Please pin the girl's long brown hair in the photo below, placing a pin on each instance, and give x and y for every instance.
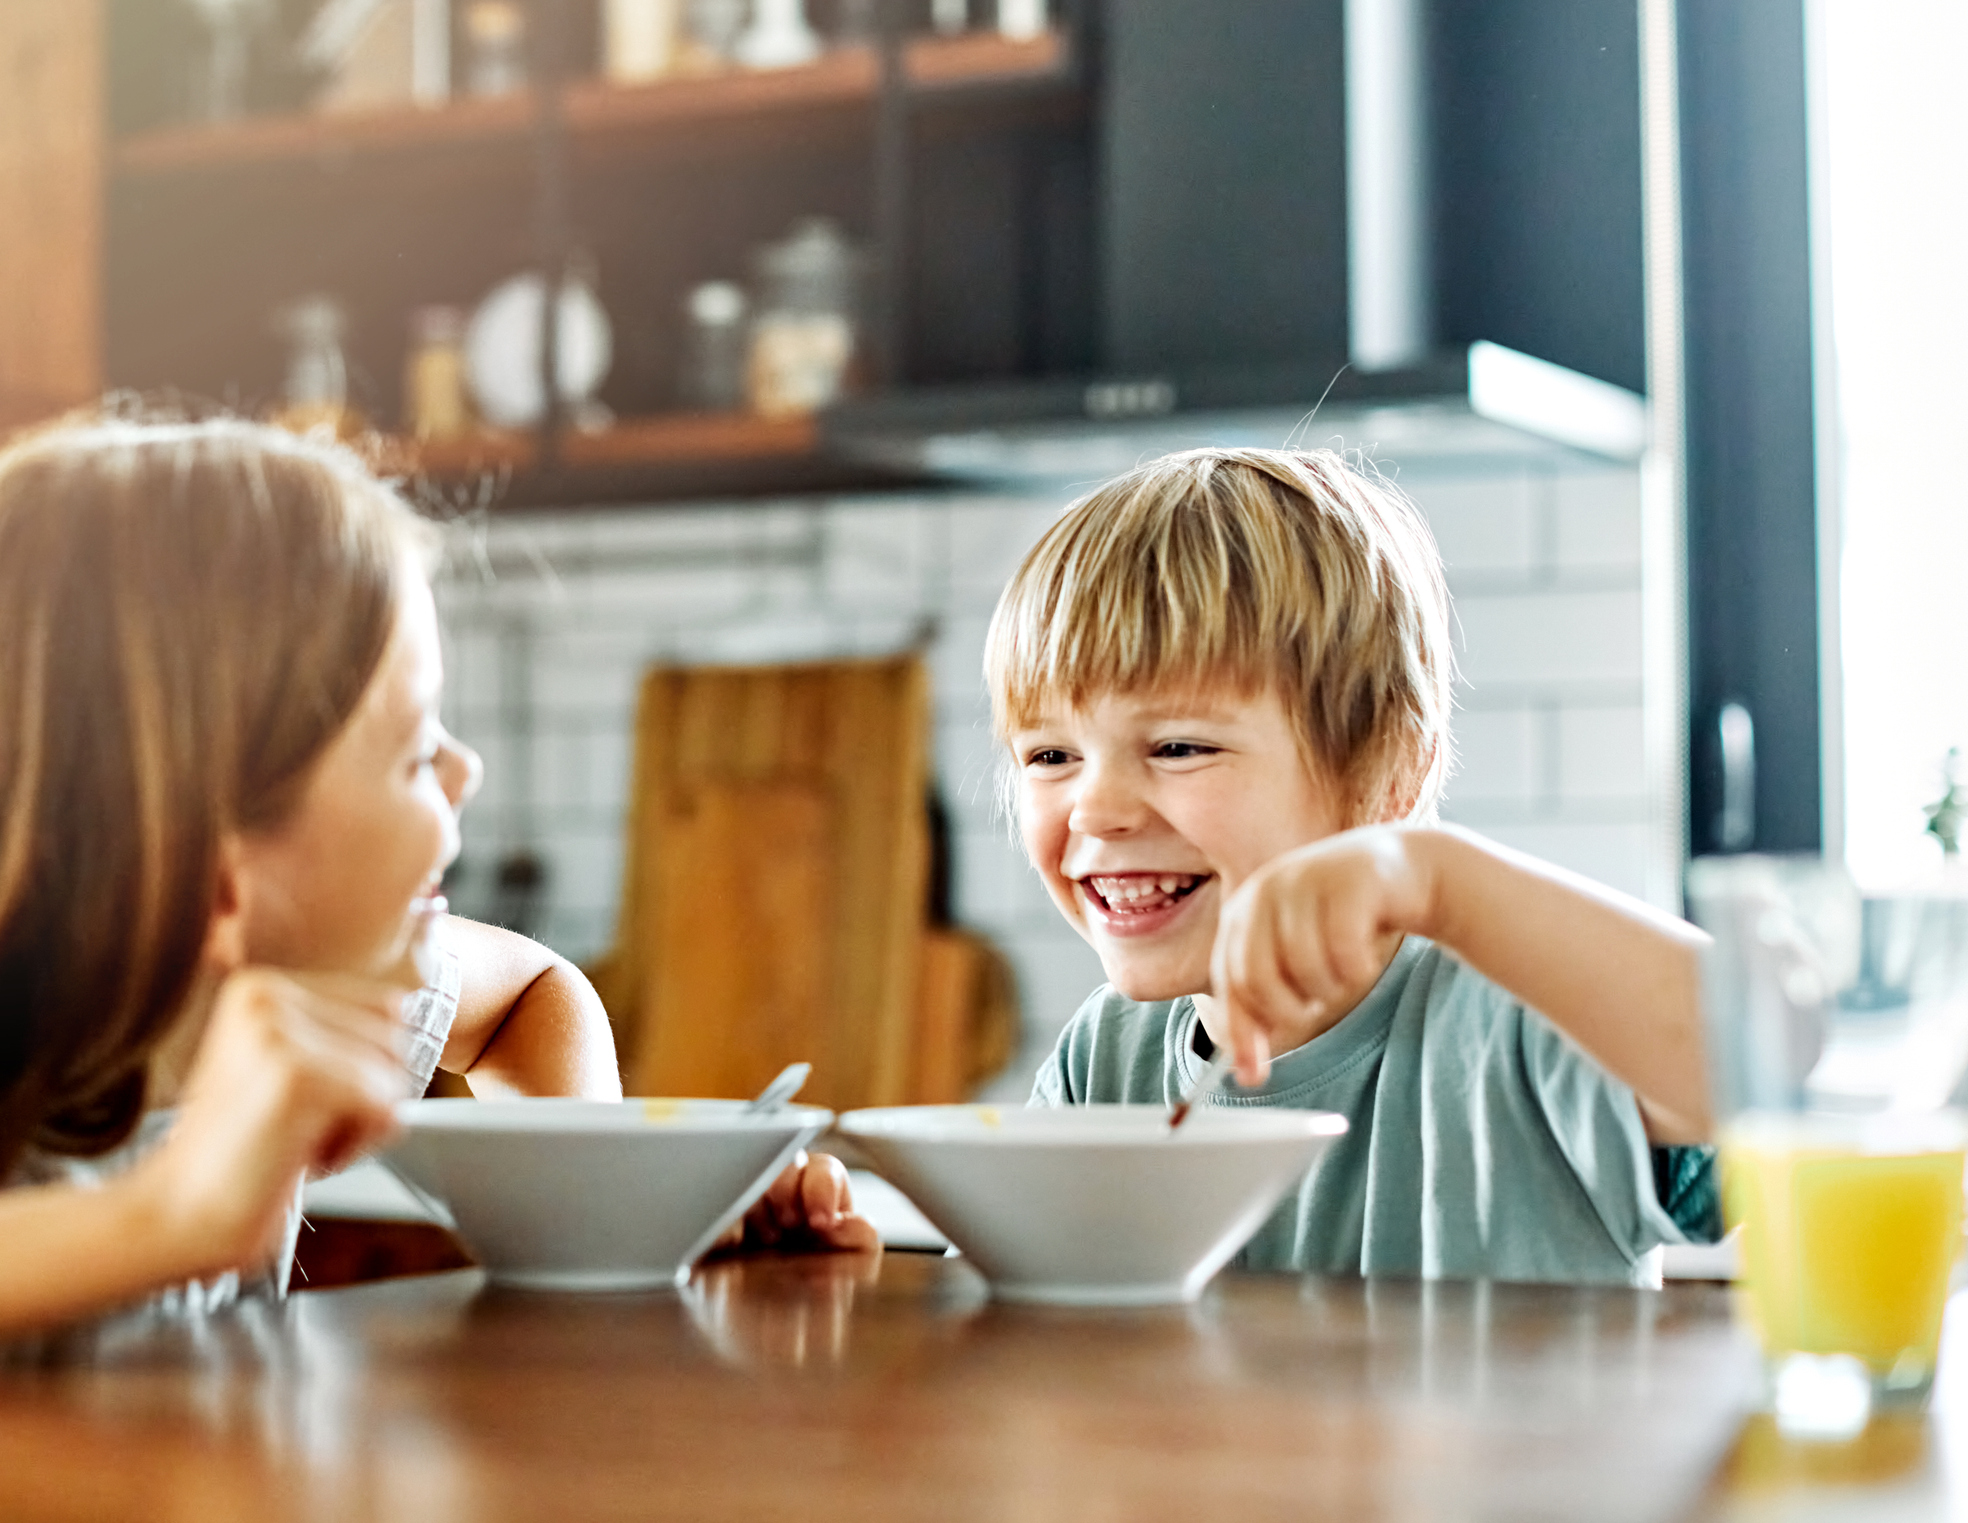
(189, 613)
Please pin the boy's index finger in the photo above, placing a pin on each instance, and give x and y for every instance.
(1239, 1030)
(1251, 1047)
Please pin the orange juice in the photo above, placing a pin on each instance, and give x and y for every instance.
(1850, 1230)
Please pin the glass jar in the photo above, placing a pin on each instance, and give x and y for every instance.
(1022, 20)
(804, 338)
(640, 38)
(436, 399)
(314, 393)
(495, 47)
(713, 376)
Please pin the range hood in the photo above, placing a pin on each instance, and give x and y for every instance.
(1266, 271)
(1482, 403)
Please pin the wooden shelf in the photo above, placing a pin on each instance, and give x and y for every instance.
(985, 58)
(325, 138)
(845, 77)
(690, 438)
(672, 441)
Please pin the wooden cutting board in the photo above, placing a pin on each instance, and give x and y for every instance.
(773, 904)
(743, 915)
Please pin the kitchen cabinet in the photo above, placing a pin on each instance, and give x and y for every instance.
(158, 257)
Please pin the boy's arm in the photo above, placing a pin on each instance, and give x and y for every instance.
(528, 1022)
(1619, 977)
(1302, 941)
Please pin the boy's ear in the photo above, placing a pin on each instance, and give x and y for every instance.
(1404, 788)
(225, 936)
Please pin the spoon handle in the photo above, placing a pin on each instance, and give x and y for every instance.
(781, 1089)
(1207, 1084)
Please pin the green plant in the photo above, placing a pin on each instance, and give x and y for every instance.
(1946, 815)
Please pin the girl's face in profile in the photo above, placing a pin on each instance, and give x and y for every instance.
(343, 884)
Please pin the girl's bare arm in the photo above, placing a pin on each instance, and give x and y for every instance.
(529, 1022)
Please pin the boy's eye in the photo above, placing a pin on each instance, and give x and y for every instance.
(1183, 750)
(1047, 756)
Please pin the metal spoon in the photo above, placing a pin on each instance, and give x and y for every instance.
(775, 1095)
(1207, 1083)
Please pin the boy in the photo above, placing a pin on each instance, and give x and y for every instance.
(1224, 681)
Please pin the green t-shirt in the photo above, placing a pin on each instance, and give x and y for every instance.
(1482, 1142)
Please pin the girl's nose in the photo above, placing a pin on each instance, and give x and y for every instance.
(459, 770)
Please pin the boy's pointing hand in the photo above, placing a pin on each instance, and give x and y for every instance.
(1304, 938)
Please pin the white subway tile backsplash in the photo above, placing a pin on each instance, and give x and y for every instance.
(560, 768)
(967, 771)
(879, 555)
(1613, 854)
(1056, 972)
(574, 679)
(956, 665)
(1597, 519)
(987, 541)
(1601, 753)
(1499, 756)
(471, 665)
(1481, 523)
(610, 758)
(586, 871)
(1537, 637)
(991, 885)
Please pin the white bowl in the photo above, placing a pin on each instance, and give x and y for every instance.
(1094, 1204)
(595, 1195)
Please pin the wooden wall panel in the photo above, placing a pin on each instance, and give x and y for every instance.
(52, 130)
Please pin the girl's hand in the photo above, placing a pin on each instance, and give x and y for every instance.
(295, 1073)
(808, 1206)
(1306, 936)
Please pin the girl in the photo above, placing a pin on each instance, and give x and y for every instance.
(226, 803)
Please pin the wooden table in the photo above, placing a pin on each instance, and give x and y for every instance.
(866, 1388)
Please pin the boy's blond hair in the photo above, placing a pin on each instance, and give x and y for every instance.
(1255, 569)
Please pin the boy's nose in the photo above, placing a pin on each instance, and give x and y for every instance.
(1106, 803)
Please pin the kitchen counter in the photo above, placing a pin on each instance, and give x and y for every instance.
(859, 1387)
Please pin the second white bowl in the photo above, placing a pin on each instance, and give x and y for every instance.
(1094, 1204)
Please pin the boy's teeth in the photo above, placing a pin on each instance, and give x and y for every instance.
(1142, 891)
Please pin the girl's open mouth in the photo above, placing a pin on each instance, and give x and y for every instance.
(1132, 904)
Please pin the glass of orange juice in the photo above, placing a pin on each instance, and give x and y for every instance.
(1850, 1229)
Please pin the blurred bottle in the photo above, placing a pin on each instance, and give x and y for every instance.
(495, 47)
(436, 398)
(779, 37)
(1022, 20)
(713, 376)
(712, 35)
(220, 87)
(314, 394)
(379, 53)
(855, 22)
(803, 339)
(639, 39)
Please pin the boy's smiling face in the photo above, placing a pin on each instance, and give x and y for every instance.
(1143, 812)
